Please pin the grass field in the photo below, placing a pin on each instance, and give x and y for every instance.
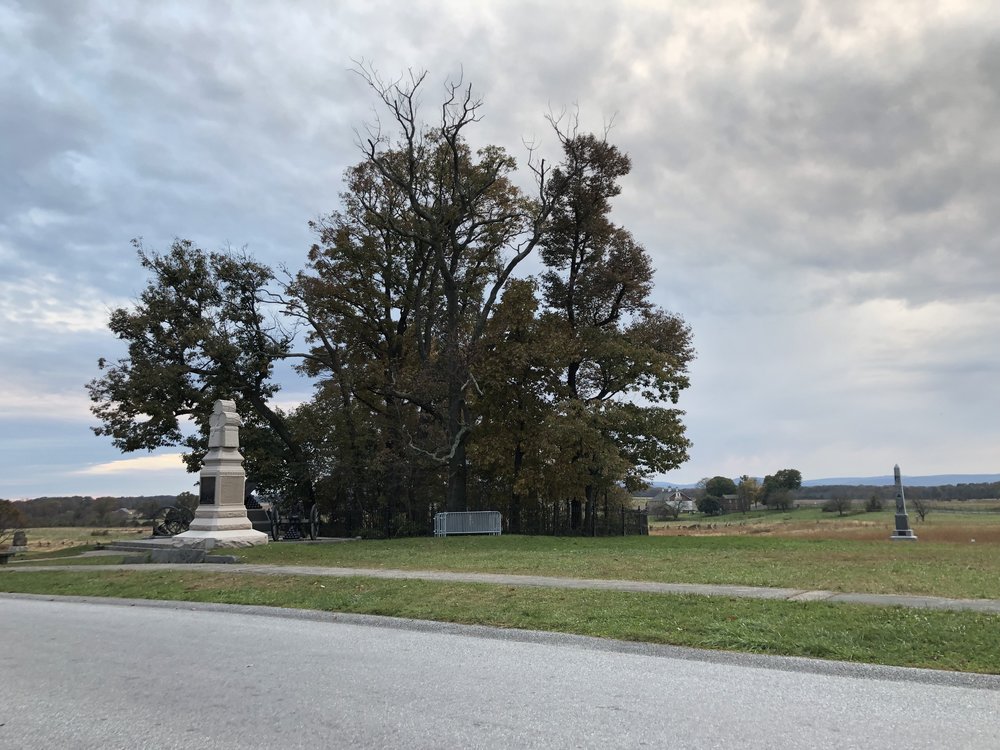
(942, 569)
(800, 549)
(951, 523)
(55, 538)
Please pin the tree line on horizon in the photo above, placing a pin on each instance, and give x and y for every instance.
(77, 510)
(82, 510)
(443, 377)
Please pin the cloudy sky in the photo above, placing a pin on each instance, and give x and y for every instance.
(818, 184)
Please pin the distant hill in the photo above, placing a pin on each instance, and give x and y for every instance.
(933, 480)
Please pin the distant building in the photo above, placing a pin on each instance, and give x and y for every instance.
(123, 516)
(675, 500)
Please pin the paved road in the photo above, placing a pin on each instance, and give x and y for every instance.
(84, 674)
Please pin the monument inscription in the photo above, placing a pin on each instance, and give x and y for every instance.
(206, 493)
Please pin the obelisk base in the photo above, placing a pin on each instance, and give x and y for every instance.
(220, 527)
(212, 539)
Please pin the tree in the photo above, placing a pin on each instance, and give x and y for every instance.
(839, 504)
(747, 492)
(187, 500)
(463, 211)
(873, 504)
(777, 489)
(710, 506)
(617, 344)
(11, 519)
(513, 404)
(720, 486)
(198, 332)
(921, 506)
(788, 479)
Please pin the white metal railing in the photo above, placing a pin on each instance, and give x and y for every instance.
(468, 522)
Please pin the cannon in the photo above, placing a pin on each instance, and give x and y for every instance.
(294, 523)
(171, 520)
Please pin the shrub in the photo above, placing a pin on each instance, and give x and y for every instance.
(838, 505)
(710, 506)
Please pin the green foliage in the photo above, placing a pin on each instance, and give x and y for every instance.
(710, 506)
(201, 330)
(720, 486)
(187, 500)
(873, 504)
(839, 504)
(748, 492)
(777, 489)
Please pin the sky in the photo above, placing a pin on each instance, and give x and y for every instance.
(818, 185)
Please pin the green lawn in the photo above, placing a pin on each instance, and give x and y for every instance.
(943, 569)
(959, 641)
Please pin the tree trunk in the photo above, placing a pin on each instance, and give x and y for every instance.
(575, 514)
(514, 526)
(457, 499)
(590, 516)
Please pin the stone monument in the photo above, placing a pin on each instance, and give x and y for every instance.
(20, 541)
(903, 531)
(221, 518)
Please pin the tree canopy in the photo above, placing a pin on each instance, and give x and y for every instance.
(442, 378)
(776, 489)
(720, 486)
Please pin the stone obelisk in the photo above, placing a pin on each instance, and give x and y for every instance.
(903, 531)
(221, 518)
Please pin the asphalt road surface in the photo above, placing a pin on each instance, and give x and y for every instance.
(79, 674)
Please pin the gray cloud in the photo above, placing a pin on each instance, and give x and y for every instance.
(815, 181)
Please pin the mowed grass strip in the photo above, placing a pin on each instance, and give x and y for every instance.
(959, 641)
(965, 571)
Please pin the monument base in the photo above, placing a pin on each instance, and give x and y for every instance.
(220, 538)
(220, 527)
(911, 537)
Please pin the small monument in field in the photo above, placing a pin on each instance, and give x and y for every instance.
(221, 518)
(903, 531)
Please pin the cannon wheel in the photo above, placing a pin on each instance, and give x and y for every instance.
(314, 522)
(170, 521)
(186, 517)
(275, 515)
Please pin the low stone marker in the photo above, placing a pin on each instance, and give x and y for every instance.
(20, 541)
(221, 518)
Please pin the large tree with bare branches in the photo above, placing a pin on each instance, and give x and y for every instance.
(458, 217)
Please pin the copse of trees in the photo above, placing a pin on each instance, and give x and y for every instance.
(776, 491)
(441, 379)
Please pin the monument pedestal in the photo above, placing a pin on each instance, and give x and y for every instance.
(221, 518)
